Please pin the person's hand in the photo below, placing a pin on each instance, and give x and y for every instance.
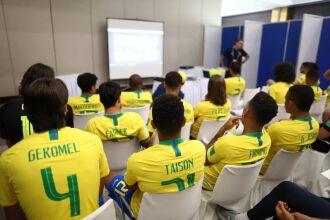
(232, 122)
(283, 211)
(326, 115)
(270, 82)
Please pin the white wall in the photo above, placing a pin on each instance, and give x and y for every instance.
(71, 35)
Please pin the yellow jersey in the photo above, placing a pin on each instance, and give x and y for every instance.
(135, 99)
(317, 93)
(188, 114)
(302, 79)
(234, 150)
(169, 166)
(278, 91)
(86, 104)
(328, 92)
(119, 127)
(54, 174)
(206, 110)
(235, 85)
(291, 135)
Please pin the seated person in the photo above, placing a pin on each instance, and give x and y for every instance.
(157, 168)
(58, 172)
(322, 144)
(136, 97)
(172, 86)
(327, 76)
(161, 88)
(235, 85)
(215, 107)
(312, 80)
(288, 201)
(304, 68)
(14, 124)
(115, 125)
(297, 133)
(247, 148)
(88, 102)
(284, 76)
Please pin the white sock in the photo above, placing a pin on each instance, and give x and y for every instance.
(242, 216)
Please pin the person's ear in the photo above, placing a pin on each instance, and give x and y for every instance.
(93, 88)
(65, 109)
(153, 124)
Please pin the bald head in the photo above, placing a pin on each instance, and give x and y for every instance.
(135, 82)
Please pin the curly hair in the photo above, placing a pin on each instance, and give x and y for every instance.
(302, 96)
(109, 93)
(85, 81)
(264, 108)
(168, 114)
(284, 72)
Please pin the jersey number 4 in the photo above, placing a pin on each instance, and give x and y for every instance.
(53, 194)
(180, 182)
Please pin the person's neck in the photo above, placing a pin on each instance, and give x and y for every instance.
(295, 115)
(251, 128)
(112, 110)
(86, 93)
(168, 137)
(172, 92)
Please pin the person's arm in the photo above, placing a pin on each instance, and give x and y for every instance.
(222, 63)
(323, 134)
(14, 212)
(104, 181)
(246, 57)
(146, 142)
(232, 122)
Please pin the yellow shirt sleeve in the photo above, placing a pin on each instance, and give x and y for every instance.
(7, 193)
(89, 127)
(272, 92)
(130, 177)
(197, 110)
(215, 153)
(149, 126)
(103, 163)
(143, 131)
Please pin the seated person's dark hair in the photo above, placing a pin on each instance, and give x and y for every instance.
(308, 65)
(313, 75)
(284, 72)
(85, 81)
(173, 79)
(168, 114)
(235, 67)
(34, 72)
(135, 82)
(109, 93)
(44, 102)
(302, 96)
(264, 108)
(314, 66)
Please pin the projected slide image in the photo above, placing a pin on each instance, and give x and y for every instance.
(135, 48)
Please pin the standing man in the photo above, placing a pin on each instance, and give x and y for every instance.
(234, 54)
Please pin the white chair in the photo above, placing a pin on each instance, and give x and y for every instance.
(249, 94)
(118, 153)
(106, 211)
(208, 129)
(231, 190)
(80, 120)
(281, 114)
(280, 169)
(142, 111)
(235, 101)
(181, 205)
(185, 133)
(265, 89)
(317, 108)
(155, 85)
(308, 169)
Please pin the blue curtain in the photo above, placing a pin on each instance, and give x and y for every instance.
(228, 39)
(291, 53)
(323, 57)
(271, 50)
